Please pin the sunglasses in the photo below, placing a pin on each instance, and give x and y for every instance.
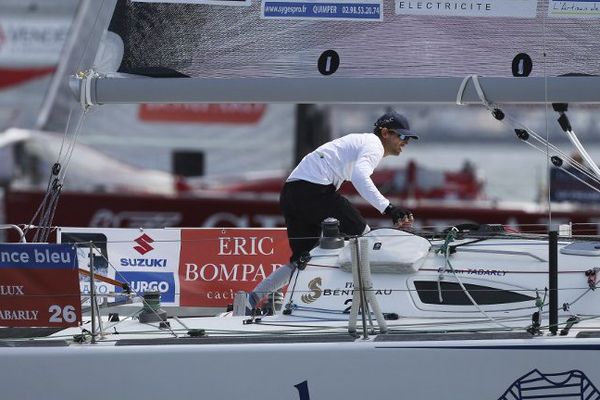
(400, 135)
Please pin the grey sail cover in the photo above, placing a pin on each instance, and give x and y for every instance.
(216, 41)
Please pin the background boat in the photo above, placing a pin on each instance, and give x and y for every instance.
(182, 146)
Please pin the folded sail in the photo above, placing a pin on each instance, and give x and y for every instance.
(327, 51)
(415, 38)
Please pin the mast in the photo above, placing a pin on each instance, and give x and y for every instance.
(312, 129)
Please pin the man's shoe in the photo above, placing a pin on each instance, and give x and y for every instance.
(244, 304)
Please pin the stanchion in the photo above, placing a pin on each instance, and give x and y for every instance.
(92, 293)
(553, 280)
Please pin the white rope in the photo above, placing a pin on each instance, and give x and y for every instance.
(482, 311)
(446, 251)
(574, 164)
(478, 89)
(512, 122)
(461, 91)
(480, 93)
(593, 173)
(586, 157)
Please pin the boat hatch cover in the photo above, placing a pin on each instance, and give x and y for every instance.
(582, 249)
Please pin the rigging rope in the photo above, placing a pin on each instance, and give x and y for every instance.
(44, 215)
(592, 173)
(147, 305)
(445, 250)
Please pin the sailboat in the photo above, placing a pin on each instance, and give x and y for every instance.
(475, 313)
(31, 36)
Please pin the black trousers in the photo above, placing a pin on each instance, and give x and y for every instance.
(305, 205)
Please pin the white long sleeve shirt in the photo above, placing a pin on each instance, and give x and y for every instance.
(350, 158)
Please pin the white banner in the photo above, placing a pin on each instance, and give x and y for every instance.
(574, 9)
(468, 8)
(199, 267)
(147, 260)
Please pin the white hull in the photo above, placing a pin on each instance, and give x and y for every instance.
(434, 349)
(478, 369)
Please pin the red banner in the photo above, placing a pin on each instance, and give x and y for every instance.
(216, 263)
(203, 113)
(39, 286)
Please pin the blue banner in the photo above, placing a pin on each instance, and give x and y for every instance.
(140, 282)
(34, 255)
(39, 285)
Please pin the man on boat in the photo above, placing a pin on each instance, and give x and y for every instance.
(310, 193)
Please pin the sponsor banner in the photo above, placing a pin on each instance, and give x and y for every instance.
(574, 9)
(39, 286)
(352, 10)
(15, 76)
(128, 218)
(216, 263)
(32, 42)
(120, 251)
(140, 282)
(213, 2)
(468, 8)
(91, 246)
(237, 114)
